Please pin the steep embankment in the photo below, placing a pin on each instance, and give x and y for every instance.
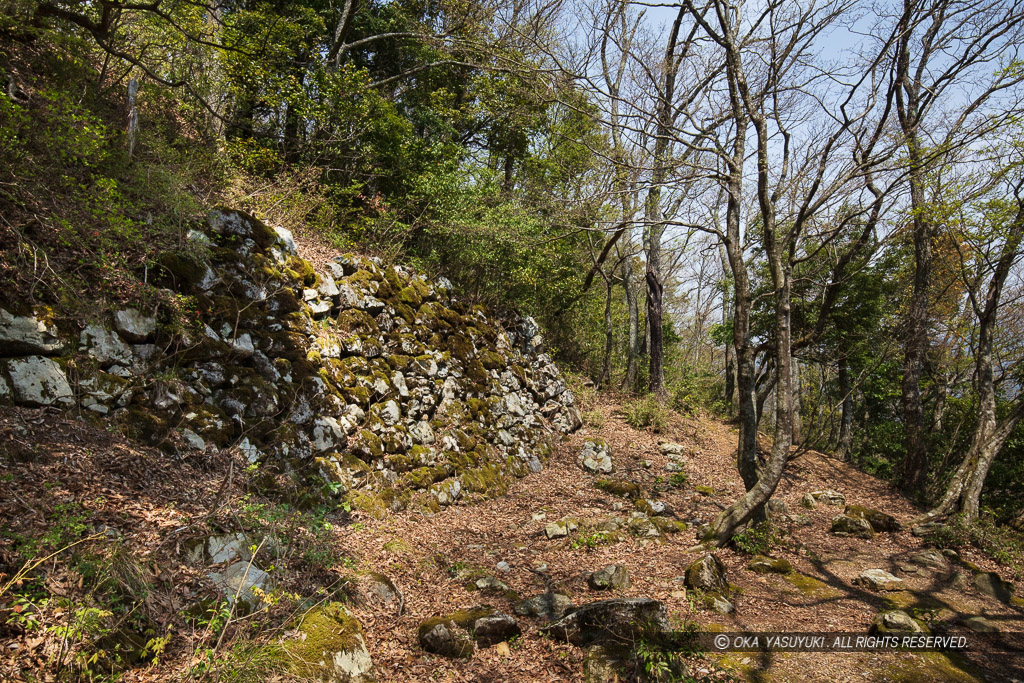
(368, 379)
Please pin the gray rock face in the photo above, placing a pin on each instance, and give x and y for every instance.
(610, 621)
(808, 501)
(596, 458)
(134, 325)
(38, 381)
(879, 580)
(27, 336)
(549, 606)
(992, 585)
(707, 574)
(105, 346)
(612, 577)
(843, 525)
(894, 621)
(930, 559)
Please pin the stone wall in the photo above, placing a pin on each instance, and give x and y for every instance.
(365, 382)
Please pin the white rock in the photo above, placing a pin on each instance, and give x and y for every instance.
(27, 335)
(285, 239)
(879, 580)
(328, 288)
(38, 381)
(390, 413)
(105, 346)
(243, 346)
(195, 441)
(134, 325)
(422, 433)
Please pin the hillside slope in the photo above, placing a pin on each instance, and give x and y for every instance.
(138, 546)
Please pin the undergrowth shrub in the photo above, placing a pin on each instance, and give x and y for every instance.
(647, 413)
(1001, 543)
(759, 539)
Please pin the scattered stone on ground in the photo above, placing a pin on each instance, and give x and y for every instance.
(879, 580)
(612, 577)
(596, 457)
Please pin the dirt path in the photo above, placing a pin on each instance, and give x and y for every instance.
(432, 560)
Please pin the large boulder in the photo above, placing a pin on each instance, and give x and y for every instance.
(992, 585)
(28, 336)
(548, 606)
(610, 621)
(38, 381)
(329, 646)
(770, 565)
(457, 634)
(134, 325)
(879, 521)
(707, 574)
(844, 525)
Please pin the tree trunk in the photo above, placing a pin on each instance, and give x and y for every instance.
(606, 366)
(798, 423)
(655, 224)
(964, 491)
(630, 382)
(846, 418)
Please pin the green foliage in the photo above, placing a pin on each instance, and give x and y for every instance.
(694, 390)
(588, 540)
(759, 539)
(300, 539)
(1001, 543)
(647, 413)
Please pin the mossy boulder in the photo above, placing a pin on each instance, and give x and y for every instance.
(457, 634)
(329, 646)
(879, 521)
(620, 487)
(844, 525)
(770, 565)
(707, 574)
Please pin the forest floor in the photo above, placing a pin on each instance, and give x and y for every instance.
(57, 464)
(407, 548)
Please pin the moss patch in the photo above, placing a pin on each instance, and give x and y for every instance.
(326, 629)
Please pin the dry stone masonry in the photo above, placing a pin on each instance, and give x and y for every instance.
(366, 382)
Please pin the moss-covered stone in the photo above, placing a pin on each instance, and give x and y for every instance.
(368, 446)
(620, 487)
(770, 565)
(330, 646)
(668, 526)
(355, 321)
(491, 360)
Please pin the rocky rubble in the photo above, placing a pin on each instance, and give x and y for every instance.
(365, 382)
